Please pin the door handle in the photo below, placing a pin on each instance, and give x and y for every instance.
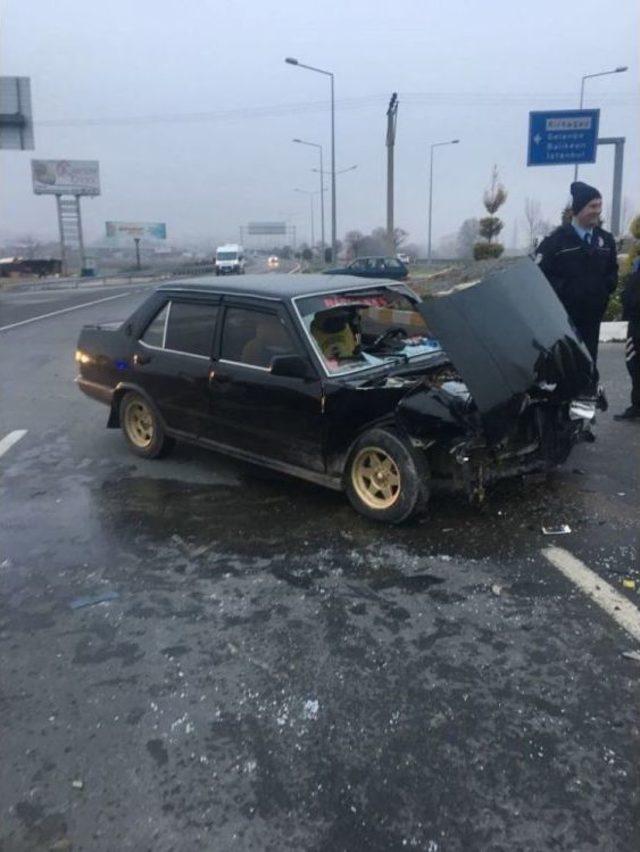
(139, 359)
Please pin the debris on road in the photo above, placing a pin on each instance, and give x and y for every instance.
(562, 529)
(92, 600)
(311, 708)
(632, 655)
(77, 784)
(628, 583)
(496, 589)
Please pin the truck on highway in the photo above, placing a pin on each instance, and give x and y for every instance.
(230, 260)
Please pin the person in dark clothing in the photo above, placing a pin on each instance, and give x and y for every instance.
(631, 313)
(580, 262)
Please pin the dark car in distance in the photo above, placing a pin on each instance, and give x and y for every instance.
(391, 268)
(359, 386)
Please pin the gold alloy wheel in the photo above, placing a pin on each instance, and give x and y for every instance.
(138, 421)
(375, 478)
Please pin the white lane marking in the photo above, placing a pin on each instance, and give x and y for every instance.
(623, 612)
(9, 440)
(63, 311)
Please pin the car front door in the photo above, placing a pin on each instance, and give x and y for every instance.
(359, 266)
(274, 417)
(172, 359)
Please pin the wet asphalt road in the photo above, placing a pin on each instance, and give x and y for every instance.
(277, 673)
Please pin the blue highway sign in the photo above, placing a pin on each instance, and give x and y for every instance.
(562, 137)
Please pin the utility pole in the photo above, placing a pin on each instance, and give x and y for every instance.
(392, 117)
(137, 242)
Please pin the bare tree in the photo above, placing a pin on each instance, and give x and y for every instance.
(467, 236)
(354, 241)
(627, 214)
(532, 215)
(30, 246)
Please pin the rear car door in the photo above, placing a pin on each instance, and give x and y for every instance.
(172, 358)
(276, 417)
(393, 268)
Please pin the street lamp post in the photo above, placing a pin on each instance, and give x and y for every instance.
(310, 194)
(291, 61)
(435, 145)
(319, 147)
(341, 171)
(617, 70)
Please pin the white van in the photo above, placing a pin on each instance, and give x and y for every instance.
(230, 259)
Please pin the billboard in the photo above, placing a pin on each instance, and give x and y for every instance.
(16, 123)
(65, 177)
(137, 230)
(256, 228)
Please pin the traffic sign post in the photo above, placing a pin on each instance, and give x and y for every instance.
(563, 137)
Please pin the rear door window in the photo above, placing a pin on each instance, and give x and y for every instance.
(190, 328)
(154, 334)
(254, 337)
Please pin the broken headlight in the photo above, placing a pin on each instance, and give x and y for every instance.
(582, 409)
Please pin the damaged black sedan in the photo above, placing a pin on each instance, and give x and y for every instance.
(361, 387)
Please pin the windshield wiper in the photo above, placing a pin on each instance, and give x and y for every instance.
(398, 357)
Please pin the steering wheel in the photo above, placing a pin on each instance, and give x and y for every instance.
(394, 331)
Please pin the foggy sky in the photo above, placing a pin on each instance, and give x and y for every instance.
(190, 108)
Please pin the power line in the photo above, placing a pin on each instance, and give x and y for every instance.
(410, 99)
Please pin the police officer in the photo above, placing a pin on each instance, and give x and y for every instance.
(581, 264)
(631, 312)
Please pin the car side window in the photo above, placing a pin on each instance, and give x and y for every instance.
(254, 337)
(359, 265)
(393, 263)
(190, 328)
(154, 333)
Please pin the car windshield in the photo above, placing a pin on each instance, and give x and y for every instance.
(227, 255)
(359, 329)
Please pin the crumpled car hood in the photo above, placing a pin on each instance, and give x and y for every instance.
(506, 333)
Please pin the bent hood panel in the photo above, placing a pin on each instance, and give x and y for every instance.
(504, 334)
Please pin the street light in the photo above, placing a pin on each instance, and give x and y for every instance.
(340, 171)
(617, 70)
(291, 61)
(319, 147)
(435, 145)
(310, 193)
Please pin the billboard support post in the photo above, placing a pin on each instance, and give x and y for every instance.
(83, 260)
(63, 253)
(616, 198)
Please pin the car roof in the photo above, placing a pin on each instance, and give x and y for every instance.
(284, 287)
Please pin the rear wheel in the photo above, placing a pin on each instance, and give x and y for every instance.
(385, 480)
(142, 428)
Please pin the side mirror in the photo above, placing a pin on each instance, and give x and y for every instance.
(291, 366)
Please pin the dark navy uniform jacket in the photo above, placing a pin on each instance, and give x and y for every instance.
(583, 276)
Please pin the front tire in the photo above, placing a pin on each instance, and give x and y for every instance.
(142, 427)
(385, 480)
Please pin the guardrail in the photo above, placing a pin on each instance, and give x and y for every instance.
(122, 278)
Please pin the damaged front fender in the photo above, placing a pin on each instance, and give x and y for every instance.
(443, 412)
